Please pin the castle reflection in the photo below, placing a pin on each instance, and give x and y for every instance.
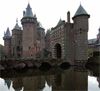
(72, 79)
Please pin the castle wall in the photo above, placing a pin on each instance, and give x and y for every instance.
(7, 47)
(29, 40)
(58, 36)
(16, 42)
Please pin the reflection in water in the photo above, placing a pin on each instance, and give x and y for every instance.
(98, 79)
(55, 79)
(8, 83)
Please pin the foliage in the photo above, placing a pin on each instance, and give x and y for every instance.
(96, 53)
(1, 48)
(90, 53)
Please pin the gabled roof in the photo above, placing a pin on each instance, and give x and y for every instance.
(60, 21)
(16, 27)
(48, 31)
(28, 12)
(92, 41)
(40, 25)
(7, 34)
(80, 11)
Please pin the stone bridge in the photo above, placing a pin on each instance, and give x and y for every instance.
(44, 63)
(21, 63)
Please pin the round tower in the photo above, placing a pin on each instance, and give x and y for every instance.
(29, 23)
(7, 44)
(80, 30)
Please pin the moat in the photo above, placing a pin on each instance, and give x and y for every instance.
(54, 79)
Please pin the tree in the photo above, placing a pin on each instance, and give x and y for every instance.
(1, 50)
(90, 53)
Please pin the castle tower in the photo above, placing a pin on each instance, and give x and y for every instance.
(7, 44)
(98, 35)
(16, 41)
(80, 30)
(41, 36)
(29, 23)
(48, 40)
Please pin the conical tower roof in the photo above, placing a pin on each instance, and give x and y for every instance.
(28, 12)
(40, 25)
(80, 11)
(7, 34)
(8, 82)
(60, 21)
(16, 26)
(48, 31)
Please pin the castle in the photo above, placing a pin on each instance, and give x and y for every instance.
(94, 44)
(65, 40)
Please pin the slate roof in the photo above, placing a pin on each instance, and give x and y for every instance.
(16, 27)
(59, 22)
(48, 31)
(80, 11)
(92, 41)
(35, 16)
(28, 12)
(40, 25)
(7, 34)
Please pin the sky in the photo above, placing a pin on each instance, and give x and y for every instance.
(92, 85)
(48, 12)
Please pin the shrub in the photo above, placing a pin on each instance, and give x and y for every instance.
(96, 53)
(90, 53)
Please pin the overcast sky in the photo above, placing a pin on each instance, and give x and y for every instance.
(48, 13)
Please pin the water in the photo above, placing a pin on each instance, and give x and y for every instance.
(55, 79)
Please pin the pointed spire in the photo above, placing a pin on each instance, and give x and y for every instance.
(99, 29)
(7, 34)
(4, 33)
(28, 12)
(48, 31)
(16, 26)
(16, 20)
(60, 21)
(81, 11)
(40, 25)
(8, 83)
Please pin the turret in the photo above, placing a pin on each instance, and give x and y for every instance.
(29, 24)
(80, 30)
(16, 41)
(7, 43)
(68, 17)
(81, 19)
(40, 36)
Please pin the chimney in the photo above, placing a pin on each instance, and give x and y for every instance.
(68, 17)
(23, 13)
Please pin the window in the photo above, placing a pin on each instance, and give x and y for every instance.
(81, 31)
(29, 47)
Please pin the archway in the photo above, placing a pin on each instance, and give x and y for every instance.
(58, 50)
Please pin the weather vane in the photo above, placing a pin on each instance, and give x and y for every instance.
(16, 20)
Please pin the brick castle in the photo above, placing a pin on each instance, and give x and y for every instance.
(65, 40)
